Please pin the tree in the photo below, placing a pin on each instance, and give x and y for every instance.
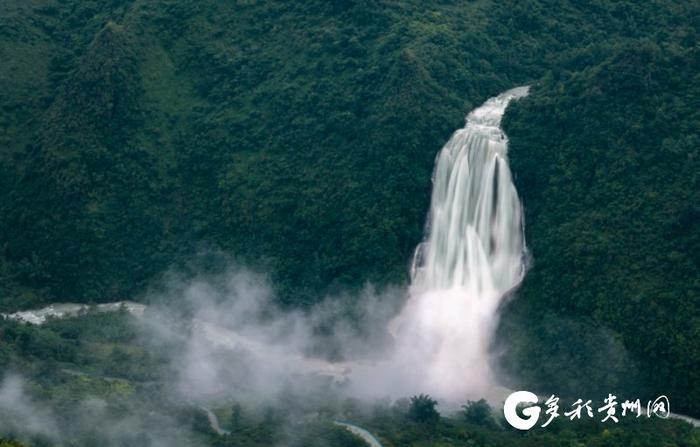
(478, 412)
(422, 409)
(236, 413)
(9, 443)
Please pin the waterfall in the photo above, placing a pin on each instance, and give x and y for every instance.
(474, 238)
(471, 257)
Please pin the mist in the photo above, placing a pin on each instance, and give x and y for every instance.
(19, 414)
(94, 421)
(234, 341)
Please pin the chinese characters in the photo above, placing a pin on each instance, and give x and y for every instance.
(610, 411)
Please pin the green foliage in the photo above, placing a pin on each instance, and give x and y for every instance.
(422, 408)
(89, 186)
(102, 344)
(479, 413)
(322, 435)
(606, 158)
(394, 430)
(304, 148)
(9, 443)
(299, 137)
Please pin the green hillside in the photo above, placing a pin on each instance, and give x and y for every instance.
(607, 163)
(298, 138)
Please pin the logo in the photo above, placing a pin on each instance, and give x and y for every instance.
(532, 413)
(660, 407)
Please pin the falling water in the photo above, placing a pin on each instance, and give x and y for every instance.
(475, 225)
(471, 257)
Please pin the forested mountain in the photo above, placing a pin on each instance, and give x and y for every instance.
(299, 138)
(607, 163)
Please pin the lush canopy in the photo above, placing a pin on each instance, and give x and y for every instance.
(299, 138)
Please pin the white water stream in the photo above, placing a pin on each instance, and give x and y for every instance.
(471, 258)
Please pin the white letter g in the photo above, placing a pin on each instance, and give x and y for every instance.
(532, 413)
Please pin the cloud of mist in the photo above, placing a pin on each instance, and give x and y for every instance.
(236, 342)
(91, 421)
(19, 414)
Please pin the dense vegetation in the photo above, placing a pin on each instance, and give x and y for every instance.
(9, 443)
(97, 380)
(607, 163)
(299, 137)
(85, 384)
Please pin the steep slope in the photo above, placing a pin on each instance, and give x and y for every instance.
(299, 137)
(607, 163)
